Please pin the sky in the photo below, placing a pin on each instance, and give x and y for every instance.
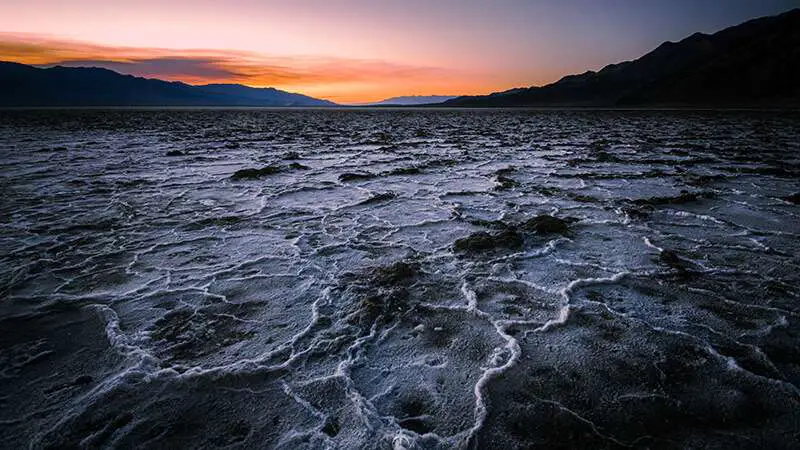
(355, 51)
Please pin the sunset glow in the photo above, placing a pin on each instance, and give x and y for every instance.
(349, 51)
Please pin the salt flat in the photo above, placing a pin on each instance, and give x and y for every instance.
(399, 279)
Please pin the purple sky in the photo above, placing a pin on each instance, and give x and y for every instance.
(349, 50)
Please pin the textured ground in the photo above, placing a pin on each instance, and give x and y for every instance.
(399, 279)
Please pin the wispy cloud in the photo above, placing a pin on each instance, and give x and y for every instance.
(164, 67)
(327, 76)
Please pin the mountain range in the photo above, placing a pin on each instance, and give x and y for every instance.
(756, 63)
(23, 85)
(411, 100)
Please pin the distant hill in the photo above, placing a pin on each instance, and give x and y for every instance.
(411, 100)
(756, 63)
(23, 85)
(264, 95)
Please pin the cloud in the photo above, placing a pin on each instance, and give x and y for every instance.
(164, 67)
(318, 74)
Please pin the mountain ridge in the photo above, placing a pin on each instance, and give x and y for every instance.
(23, 85)
(753, 64)
(412, 100)
(756, 63)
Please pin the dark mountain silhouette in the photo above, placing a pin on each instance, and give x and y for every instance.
(410, 100)
(23, 85)
(756, 63)
(262, 95)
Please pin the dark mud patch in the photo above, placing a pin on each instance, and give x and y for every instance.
(482, 242)
(254, 174)
(224, 221)
(419, 425)
(382, 293)
(671, 259)
(356, 176)
(583, 198)
(642, 208)
(681, 199)
(445, 162)
(273, 169)
(512, 235)
(164, 414)
(290, 156)
(548, 191)
(52, 149)
(57, 354)
(504, 183)
(794, 198)
(601, 382)
(766, 170)
(331, 427)
(404, 171)
(187, 334)
(379, 198)
(547, 224)
(703, 180)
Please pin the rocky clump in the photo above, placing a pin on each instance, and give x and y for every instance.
(671, 259)
(254, 174)
(637, 212)
(483, 241)
(546, 224)
(548, 191)
(331, 427)
(188, 334)
(291, 155)
(379, 198)
(421, 133)
(502, 179)
(642, 207)
(396, 273)
(505, 170)
(384, 293)
(583, 198)
(350, 176)
(504, 183)
(604, 156)
(683, 198)
(54, 149)
(512, 236)
(404, 171)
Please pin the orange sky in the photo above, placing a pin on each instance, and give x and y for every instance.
(339, 79)
(352, 51)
